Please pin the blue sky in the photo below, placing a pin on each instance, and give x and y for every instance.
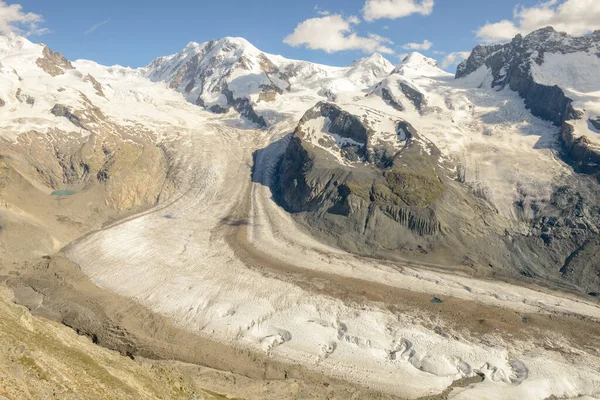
(133, 32)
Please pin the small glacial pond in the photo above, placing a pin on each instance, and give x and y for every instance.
(63, 192)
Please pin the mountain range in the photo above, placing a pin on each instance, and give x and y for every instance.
(177, 184)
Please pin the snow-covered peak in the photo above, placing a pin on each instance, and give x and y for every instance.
(224, 52)
(416, 59)
(239, 43)
(374, 60)
(193, 48)
(369, 70)
(416, 64)
(12, 43)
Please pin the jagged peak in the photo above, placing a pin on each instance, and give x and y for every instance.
(235, 40)
(192, 47)
(232, 44)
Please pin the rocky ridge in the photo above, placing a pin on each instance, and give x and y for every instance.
(230, 73)
(511, 65)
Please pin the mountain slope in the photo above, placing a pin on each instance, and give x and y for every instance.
(69, 141)
(231, 73)
(489, 158)
(557, 75)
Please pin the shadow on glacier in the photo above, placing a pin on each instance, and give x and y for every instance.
(237, 121)
(266, 164)
(229, 221)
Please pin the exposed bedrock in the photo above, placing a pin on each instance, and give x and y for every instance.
(411, 94)
(244, 107)
(584, 156)
(53, 63)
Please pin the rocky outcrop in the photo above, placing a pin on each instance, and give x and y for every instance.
(24, 98)
(244, 107)
(584, 155)
(476, 59)
(395, 91)
(387, 96)
(89, 78)
(61, 110)
(53, 63)
(340, 122)
(415, 97)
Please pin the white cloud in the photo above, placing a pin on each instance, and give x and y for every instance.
(392, 9)
(98, 25)
(455, 58)
(426, 45)
(333, 33)
(572, 16)
(498, 31)
(320, 11)
(353, 19)
(13, 19)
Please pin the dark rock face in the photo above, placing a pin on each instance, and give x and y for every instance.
(415, 97)
(342, 123)
(386, 95)
(295, 191)
(368, 208)
(62, 111)
(584, 156)
(2, 103)
(477, 58)
(53, 63)
(510, 65)
(244, 106)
